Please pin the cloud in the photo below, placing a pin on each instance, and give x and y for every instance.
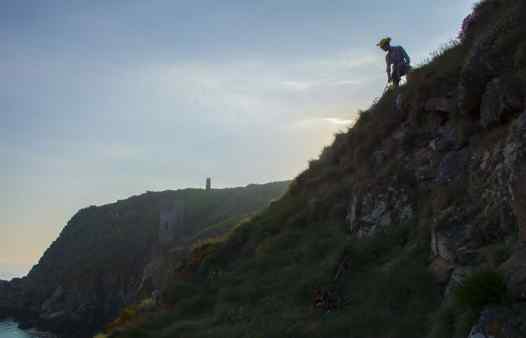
(338, 121)
(316, 85)
(254, 88)
(322, 122)
(297, 85)
(344, 60)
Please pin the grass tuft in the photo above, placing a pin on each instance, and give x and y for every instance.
(482, 289)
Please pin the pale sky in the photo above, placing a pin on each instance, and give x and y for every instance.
(103, 99)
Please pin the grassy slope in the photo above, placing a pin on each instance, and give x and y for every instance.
(261, 281)
(267, 289)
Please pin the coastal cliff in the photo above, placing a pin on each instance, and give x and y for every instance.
(107, 256)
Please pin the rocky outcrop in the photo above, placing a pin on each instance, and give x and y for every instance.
(500, 102)
(374, 210)
(486, 60)
(462, 153)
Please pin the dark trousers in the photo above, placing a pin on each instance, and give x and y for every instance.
(399, 70)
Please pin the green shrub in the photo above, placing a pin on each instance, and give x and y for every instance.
(179, 290)
(196, 305)
(482, 289)
(452, 321)
(137, 333)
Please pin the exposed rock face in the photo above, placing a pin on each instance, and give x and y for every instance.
(477, 193)
(462, 154)
(500, 101)
(107, 257)
(379, 209)
(445, 140)
(171, 216)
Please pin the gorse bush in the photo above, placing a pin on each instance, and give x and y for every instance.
(482, 289)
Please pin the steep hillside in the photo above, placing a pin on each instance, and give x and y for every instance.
(107, 256)
(411, 224)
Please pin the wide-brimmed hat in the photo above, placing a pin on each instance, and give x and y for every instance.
(384, 42)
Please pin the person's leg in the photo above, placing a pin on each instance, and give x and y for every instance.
(397, 75)
(396, 78)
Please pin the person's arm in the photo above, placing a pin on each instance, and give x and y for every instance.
(406, 57)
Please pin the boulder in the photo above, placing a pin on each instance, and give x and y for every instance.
(501, 100)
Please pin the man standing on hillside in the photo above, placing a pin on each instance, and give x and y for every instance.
(397, 60)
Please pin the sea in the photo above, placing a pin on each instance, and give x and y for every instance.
(9, 329)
